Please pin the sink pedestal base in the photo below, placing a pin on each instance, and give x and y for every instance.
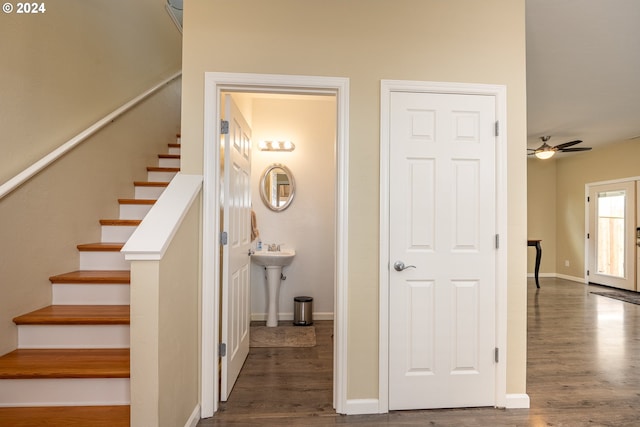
(274, 273)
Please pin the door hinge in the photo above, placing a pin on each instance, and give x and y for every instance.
(588, 199)
(222, 349)
(223, 238)
(224, 127)
(588, 236)
(497, 241)
(497, 129)
(496, 354)
(587, 272)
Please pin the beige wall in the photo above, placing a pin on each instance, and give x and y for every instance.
(59, 208)
(366, 41)
(67, 68)
(179, 324)
(61, 72)
(165, 330)
(573, 172)
(541, 212)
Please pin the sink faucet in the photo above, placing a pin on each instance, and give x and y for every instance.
(273, 247)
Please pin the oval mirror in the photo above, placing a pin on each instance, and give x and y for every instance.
(277, 187)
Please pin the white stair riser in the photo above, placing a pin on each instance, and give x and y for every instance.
(134, 211)
(151, 193)
(160, 176)
(65, 392)
(117, 233)
(93, 294)
(174, 150)
(169, 163)
(73, 336)
(98, 260)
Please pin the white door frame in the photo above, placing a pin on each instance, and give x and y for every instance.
(587, 218)
(499, 92)
(215, 83)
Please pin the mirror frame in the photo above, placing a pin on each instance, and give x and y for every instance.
(292, 184)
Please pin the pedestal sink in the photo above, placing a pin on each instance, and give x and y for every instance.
(273, 263)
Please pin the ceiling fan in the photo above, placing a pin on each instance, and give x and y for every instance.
(546, 151)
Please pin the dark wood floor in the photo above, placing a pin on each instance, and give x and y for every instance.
(583, 370)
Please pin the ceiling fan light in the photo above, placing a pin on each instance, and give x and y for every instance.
(545, 154)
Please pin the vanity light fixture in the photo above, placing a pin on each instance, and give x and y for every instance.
(276, 146)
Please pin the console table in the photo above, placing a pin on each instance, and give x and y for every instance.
(538, 247)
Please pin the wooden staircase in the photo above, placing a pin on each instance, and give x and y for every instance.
(71, 367)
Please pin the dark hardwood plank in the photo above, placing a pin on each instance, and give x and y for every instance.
(583, 369)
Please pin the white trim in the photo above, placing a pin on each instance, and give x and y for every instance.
(500, 94)
(154, 234)
(559, 276)
(261, 317)
(517, 401)
(361, 406)
(572, 278)
(193, 418)
(65, 392)
(214, 84)
(41, 164)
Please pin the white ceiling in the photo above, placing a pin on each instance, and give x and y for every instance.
(583, 71)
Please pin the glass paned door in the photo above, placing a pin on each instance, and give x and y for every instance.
(610, 233)
(611, 236)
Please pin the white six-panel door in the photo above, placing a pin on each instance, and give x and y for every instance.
(236, 299)
(442, 194)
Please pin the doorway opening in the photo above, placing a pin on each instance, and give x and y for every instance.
(612, 234)
(268, 85)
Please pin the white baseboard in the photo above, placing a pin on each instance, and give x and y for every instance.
(532, 275)
(371, 406)
(194, 418)
(362, 406)
(572, 278)
(261, 317)
(558, 276)
(517, 401)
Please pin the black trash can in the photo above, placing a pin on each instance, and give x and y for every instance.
(303, 311)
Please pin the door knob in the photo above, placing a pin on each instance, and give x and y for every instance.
(399, 266)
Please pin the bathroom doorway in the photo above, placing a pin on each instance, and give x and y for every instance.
(284, 96)
(293, 134)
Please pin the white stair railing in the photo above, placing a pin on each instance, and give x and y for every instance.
(41, 164)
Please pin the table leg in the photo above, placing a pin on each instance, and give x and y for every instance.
(538, 258)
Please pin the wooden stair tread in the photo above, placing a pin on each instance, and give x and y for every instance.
(76, 315)
(150, 183)
(100, 247)
(93, 277)
(174, 145)
(136, 201)
(168, 156)
(121, 222)
(65, 363)
(159, 169)
(66, 416)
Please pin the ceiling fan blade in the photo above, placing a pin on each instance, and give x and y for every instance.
(568, 150)
(568, 144)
